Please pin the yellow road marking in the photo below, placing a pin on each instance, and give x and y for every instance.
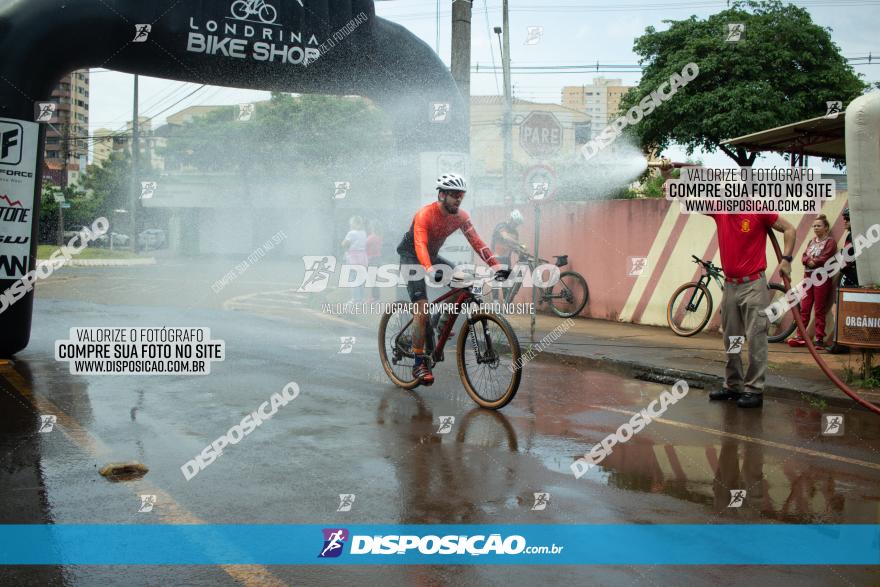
(168, 509)
(798, 449)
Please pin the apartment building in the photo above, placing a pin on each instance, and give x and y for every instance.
(601, 100)
(67, 143)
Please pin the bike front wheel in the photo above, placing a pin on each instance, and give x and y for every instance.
(268, 14)
(569, 296)
(488, 360)
(689, 309)
(395, 346)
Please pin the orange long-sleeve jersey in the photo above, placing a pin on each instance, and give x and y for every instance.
(430, 229)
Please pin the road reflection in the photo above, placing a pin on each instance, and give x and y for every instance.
(743, 479)
(23, 491)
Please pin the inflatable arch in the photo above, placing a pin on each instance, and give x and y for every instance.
(305, 46)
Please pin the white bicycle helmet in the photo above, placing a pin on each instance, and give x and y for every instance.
(451, 182)
(516, 217)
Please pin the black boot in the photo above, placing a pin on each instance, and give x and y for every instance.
(750, 400)
(723, 394)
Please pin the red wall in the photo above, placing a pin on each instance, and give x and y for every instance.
(598, 237)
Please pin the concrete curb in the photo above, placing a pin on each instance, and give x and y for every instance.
(104, 262)
(791, 388)
(696, 379)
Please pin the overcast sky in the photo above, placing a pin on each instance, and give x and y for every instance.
(574, 32)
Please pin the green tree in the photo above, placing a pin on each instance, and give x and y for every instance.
(49, 210)
(109, 184)
(783, 69)
(100, 190)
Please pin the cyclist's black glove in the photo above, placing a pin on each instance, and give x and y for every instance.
(435, 275)
(502, 274)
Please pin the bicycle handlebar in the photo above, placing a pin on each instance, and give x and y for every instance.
(527, 256)
(706, 264)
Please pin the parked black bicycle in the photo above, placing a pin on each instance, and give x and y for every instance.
(690, 307)
(567, 297)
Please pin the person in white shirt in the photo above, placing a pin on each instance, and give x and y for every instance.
(355, 246)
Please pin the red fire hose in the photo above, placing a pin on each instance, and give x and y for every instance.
(819, 360)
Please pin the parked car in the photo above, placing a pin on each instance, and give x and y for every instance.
(119, 240)
(71, 232)
(152, 238)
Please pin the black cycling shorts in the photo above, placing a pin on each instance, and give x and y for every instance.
(418, 288)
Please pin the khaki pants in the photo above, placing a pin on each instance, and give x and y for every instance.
(742, 314)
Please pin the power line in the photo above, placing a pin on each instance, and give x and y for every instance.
(614, 67)
(491, 45)
(640, 7)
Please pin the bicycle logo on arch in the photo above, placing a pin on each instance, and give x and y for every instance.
(243, 9)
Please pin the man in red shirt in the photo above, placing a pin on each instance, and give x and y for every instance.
(431, 226)
(742, 242)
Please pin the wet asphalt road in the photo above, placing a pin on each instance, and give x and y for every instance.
(351, 432)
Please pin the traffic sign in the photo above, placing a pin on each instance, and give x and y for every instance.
(58, 199)
(65, 205)
(540, 134)
(540, 183)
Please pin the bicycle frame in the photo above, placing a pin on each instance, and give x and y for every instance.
(543, 296)
(718, 280)
(462, 296)
(511, 293)
(709, 273)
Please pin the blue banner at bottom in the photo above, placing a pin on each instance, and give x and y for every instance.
(669, 544)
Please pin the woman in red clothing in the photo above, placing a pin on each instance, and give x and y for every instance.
(819, 250)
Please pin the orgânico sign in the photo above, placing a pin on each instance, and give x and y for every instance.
(540, 134)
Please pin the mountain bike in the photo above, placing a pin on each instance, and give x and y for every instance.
(241, 9)
(567, 297)
(690, 307)
(487, 350)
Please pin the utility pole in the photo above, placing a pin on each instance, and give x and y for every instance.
(461, 53)
(135, 184)
(437, 30)
(60, 224)
(508, 99)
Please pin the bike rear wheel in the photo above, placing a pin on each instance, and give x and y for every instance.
(573, 294)
(689, 309)
(782, 328)
(488, 360)
(395, 346)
